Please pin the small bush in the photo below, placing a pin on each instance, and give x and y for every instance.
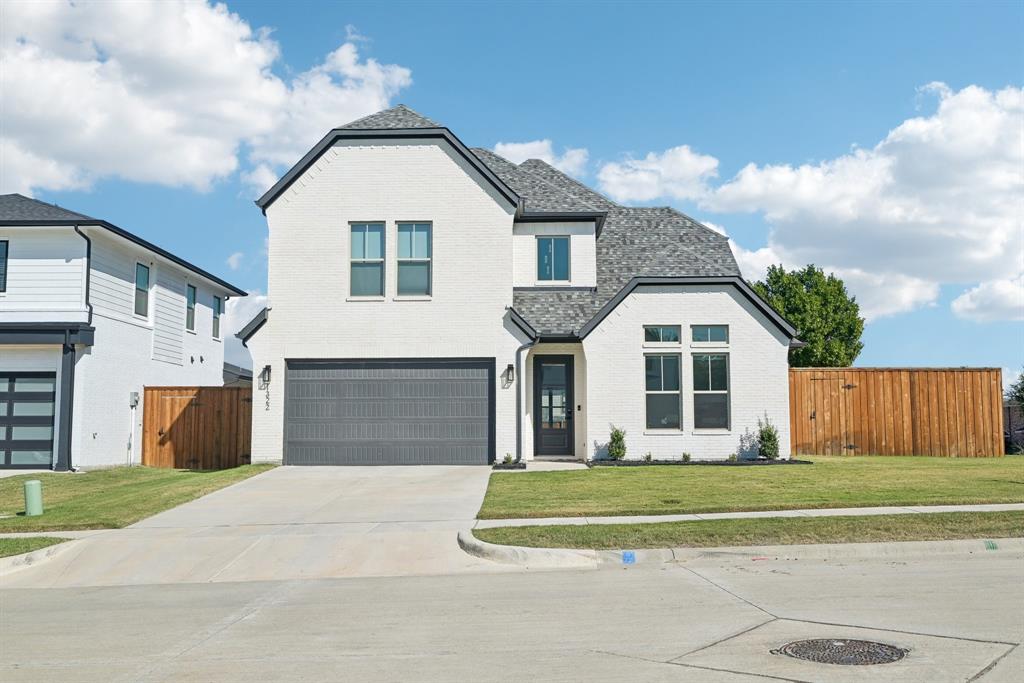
(767, 439)
(732, 457)
(648, 457)
(617, 444)
(508, 459)
(685, 457)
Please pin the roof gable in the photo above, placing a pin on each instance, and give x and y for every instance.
(399, 116)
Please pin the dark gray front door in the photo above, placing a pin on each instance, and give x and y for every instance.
(553, 405)
(27, 407)
(389, 412)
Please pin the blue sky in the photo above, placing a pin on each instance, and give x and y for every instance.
(792, 88)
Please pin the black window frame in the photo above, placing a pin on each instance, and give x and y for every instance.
(677, 392)
(190, 307)
(711, 391)
(568, 258)
(5, 252)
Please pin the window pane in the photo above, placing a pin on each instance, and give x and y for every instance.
(670, 373)
(141, 276)
(37, 408)
(31, 457)
(414, 277)
(190, 319)
(31, 433)
(718, 333)
(141, 302)
(653, 372)
(711, 411)
(544, 271)
(374, 241)
(405, 241)
(561, 258)
(652, 334)
(358, 241)
(43, 384)
(3, 408)
(701, 373)
(663, 411)
(367, 279)
(191, 296)
(719, 373)
(670, 333)
(421, 241)
(552, 374)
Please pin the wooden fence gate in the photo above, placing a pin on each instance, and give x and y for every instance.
(202, 428)
(896, 411)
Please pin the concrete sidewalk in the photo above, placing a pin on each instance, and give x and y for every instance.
(814, 512)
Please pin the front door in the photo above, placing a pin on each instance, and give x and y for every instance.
(553, 405)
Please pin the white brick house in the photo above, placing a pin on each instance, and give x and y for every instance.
(90, 314)
(431, 303)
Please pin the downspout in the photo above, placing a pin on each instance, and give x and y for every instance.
(88, 269)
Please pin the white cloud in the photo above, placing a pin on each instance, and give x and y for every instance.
(678, 173)
(572, 161)
(992, 300)
(237, 314)
(178, 93)
(235, 260)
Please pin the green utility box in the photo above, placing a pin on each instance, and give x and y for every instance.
(33, 498)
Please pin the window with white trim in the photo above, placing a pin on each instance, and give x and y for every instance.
(142, 290)
(218, 308)
(367, 266)
(710, 333)
(655, 334)
(711, 391)
(414, 259)
(553, 259)
(190, 308)
(663, 403)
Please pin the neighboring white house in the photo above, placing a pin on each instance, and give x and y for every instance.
(89, 315)
(431, 303)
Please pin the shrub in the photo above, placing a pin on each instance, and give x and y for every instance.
(617, 444)
(732, 457)
(767, 439)
(685, 457)
(648, 457)
(508, 459)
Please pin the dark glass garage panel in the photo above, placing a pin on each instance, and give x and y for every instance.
(711, 411)
(27, 408)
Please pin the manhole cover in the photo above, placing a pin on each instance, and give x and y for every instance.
(838, 651)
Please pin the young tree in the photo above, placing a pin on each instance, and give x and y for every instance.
(1016, 391)
(826, 317)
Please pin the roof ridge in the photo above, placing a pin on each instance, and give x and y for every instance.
(398, 116)
(556, 187)
(573, 181)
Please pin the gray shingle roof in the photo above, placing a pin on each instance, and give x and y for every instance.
(399, 116)
(635, 242)
(16, 207)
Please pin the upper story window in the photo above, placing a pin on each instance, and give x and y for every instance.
(3, 265)
(414, 259)
(553, 259)
(661, 334)
(141, 290)
(710, 333)
(190, 308)
(218, 308)
(367, 275)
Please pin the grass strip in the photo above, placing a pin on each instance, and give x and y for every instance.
(26, 544)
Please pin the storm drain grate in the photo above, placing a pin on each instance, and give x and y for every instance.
(836, 651)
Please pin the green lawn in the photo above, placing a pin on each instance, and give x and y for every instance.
(764, 531)
(109, 499)
(830, 482)
(26, 544)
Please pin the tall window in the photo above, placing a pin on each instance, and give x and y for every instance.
(414, 254)
(367, 259)
(3, 265)
(710, 391)
(190, 308)
(142, 290)
(553, 258)
(662, 377)
(218, 308)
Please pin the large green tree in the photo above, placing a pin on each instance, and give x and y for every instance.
(1015, 392)
(826, 317)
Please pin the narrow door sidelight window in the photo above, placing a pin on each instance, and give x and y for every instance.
(142, 290)
(414, 259)
(711, 391)
(367, 270)
(662, 387)
(190, 308)
(553, 259)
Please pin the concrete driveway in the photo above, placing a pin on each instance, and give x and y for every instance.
(289, 523)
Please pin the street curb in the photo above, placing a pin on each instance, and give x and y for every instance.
(531, 558)
(552, 558)
(9, 565)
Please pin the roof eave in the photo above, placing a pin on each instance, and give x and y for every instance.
(597, 217)
(253, 326)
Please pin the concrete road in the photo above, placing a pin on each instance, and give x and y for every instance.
(289, 523)
(960, 617)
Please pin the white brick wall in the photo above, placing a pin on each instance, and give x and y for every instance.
(582, 252)
(614, 351)
(311, 315)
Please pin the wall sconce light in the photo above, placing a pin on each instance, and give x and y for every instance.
(265, 374)
(510, 373)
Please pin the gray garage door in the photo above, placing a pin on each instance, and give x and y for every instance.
(394, 412)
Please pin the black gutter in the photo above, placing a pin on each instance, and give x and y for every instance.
(393, 133)
(121, 232)
(47, 333)
(253, 326)
(521, 323)
(88, 269)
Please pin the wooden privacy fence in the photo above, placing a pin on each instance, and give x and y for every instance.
(896, 411)
(203, 428)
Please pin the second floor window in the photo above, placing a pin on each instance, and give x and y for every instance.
(414, 252)
(367, 278)
(142, 290)
(3, 265)
(190, 308)
(553, 259)
(218, 308)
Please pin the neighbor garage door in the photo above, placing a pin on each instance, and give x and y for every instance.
(394, 412)
(27, 407)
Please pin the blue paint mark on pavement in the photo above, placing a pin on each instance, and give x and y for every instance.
(628, 557)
